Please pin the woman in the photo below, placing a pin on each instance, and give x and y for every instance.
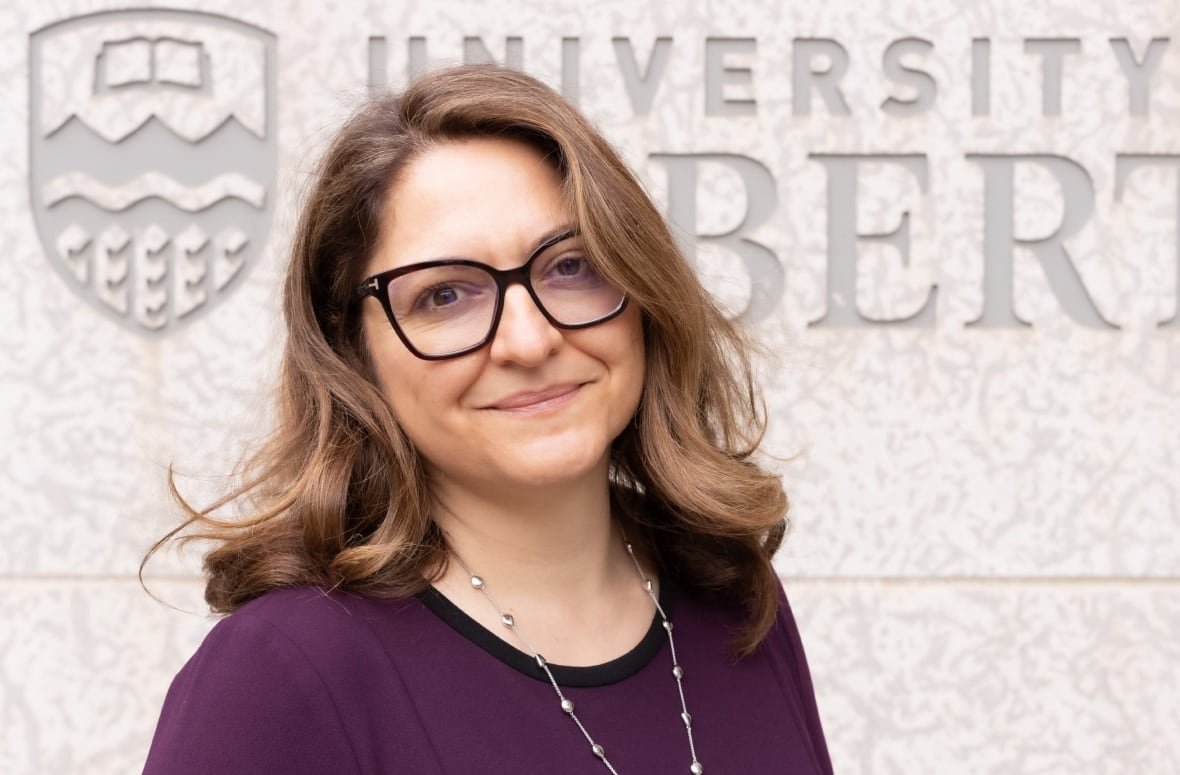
(509, 521)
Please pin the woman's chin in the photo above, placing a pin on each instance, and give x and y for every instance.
(543, 465)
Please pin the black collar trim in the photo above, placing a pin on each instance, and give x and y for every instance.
(611, 672)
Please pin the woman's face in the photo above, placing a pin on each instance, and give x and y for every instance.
(538, 405)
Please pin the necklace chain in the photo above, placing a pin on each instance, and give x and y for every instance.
(567, 705)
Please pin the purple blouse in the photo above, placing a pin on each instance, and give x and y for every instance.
(307, 681)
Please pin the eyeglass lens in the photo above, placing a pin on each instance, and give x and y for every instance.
(444, 309)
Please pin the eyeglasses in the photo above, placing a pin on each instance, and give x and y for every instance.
(450, 307)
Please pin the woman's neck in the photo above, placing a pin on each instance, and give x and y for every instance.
(557, 537)
(553, 558)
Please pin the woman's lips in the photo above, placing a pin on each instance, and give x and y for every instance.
(537, 400)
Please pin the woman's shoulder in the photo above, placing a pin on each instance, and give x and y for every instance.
(301, 605)
(772, 682)
(790, 659)
(326, 630)
(288, 677)
(309, 612)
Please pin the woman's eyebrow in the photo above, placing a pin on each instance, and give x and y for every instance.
(553, 236)
(550, 238)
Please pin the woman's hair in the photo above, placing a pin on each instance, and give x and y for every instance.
(338, 496)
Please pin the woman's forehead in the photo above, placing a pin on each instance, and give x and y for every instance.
(489, 199)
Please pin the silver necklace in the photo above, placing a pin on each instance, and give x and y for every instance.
(567, 705)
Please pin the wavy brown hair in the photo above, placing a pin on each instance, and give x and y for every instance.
(337, 496)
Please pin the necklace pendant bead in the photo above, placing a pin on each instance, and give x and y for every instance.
(687, 719)
(598, 750)
(540, 661)
(508, 621)
(647, 584)
(567, 706)
(477, 582)
(678, 672)
(668, 625)
(696, 768)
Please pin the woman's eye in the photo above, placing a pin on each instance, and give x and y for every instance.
(444, 296)
(569, 266)
(571, 272)
(439, 297)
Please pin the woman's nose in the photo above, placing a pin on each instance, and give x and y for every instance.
(524, 335)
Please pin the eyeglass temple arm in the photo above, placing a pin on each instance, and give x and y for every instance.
(369, 286)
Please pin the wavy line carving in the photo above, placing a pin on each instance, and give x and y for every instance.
(154, 184)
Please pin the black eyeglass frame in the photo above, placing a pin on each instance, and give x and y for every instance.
(378, 285)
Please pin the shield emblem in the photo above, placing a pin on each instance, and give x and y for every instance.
(152, 158)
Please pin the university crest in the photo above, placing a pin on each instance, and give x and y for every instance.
(152, 158)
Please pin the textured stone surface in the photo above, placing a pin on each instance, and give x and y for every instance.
(985, 677)
(84, 666)
(1037, 466)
